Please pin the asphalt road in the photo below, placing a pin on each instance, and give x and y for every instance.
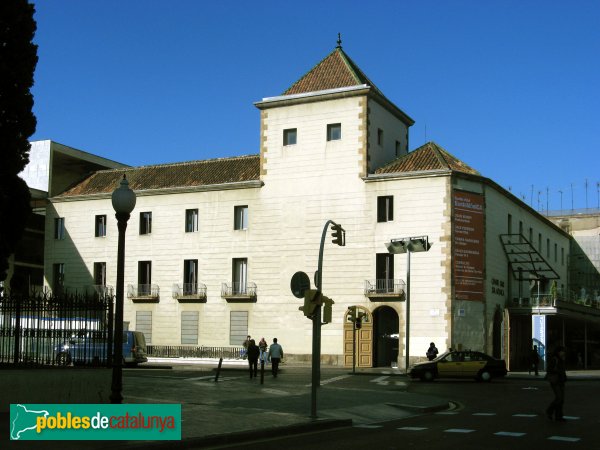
(504, 414)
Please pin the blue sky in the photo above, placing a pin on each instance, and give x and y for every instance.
(510, 87)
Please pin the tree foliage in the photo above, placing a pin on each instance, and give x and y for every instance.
(18, 58)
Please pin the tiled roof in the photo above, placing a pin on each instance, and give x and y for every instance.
(336, 70)
(428, 157)
(165, 176)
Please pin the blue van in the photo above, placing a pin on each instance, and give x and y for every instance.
(84, 349)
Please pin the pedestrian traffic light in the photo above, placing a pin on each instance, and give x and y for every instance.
(327, 309)
(338, 234)
(312, 299)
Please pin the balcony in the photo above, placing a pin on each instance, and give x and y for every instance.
(101, 290)
(190, 292)
(385, 290)
(143, 293)
(239, 292)
(553, 303)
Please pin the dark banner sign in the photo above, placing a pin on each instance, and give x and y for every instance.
(468, 246)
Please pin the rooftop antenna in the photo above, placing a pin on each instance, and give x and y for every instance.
(339, 41)
(598, 192)
(531, 197)
(561, 193)
(572, 197)
(586, 188)
(547, 198)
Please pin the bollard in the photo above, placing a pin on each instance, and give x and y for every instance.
(262, 372)
(218, 370)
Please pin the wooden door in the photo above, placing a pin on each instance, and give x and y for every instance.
(364, 340)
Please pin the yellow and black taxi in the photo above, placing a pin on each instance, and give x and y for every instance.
(460, 364)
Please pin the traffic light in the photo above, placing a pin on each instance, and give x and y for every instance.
(312, 299)
(327, 309)
(338, 234)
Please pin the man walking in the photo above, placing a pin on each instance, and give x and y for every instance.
(557, 376)
(253, 352)
(275, 353)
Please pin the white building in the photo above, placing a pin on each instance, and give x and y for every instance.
(212, 245)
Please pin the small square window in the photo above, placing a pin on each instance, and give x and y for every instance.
(100, 227)
(385, 208)
(379, 136)
(191, 220)
(145, 223)
(334, 131)
(240, 221)
(59, 228)
(289, 136)
(398, 148)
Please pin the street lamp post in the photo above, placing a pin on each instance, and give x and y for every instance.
(408, 246)
(123, 201)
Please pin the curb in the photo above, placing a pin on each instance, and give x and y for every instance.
(245, 436)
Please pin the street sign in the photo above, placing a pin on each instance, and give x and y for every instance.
(300, 283)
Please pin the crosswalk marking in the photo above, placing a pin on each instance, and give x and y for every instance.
(330, 380)
(379, 379)
(524, 415)
(484, 414)
(563, 438)
(447, 413)
(412, 428)
(571, 417)
(459, 430)
(509, 433)
(368, 426)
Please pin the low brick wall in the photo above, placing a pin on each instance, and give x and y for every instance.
(54, 385)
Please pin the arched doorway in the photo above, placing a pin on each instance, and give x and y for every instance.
(363, 339)
(386, 337)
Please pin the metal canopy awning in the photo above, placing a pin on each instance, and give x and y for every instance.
(526, 263)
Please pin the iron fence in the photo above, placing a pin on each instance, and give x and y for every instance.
(182, 351)
(36, 329)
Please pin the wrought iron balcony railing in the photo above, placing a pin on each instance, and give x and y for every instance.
(148, 292)
(189, 291)
(238, 290)
(384, 287)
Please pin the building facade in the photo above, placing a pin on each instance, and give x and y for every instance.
(212, 245)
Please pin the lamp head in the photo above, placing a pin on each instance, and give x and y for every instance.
(123, 198)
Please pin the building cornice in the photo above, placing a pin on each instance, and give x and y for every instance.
(254, 184)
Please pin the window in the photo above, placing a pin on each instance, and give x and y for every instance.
(548, 248)
(191, 220)
(59, 228)
(398, 148)
(531, 236)
(539, 247)
(334, 131)
(100, 273)
(58, 278)
(238, 327)
(145, 223)
(240, 276)
(190, 276)
(240, 221)
(379, 136)
(385, 208)
(562, 256)
(289, 136)
(189, 327)
(100, 228)
(143, 323)
(509, 224)
(384, 272)
(144, 278)
(555, 252)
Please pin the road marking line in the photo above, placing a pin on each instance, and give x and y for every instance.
(399, 383)
(509, 433)
(563, 438)
(484, 414)
(368, 426)
(525, 415)
(383, 383)
(571, 417)
(458, 430)
(412, 428)
(379, 379)
(200, 378)
(447, 413)
(331, 380)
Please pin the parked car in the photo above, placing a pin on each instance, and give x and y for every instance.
(83, 348)
(460, 364)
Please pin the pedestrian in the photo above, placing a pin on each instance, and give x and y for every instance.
(253, 353)
(263, 347)
(245, 345)
(557, 376)
(275, 355)
(432, 352)
(534, 360)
